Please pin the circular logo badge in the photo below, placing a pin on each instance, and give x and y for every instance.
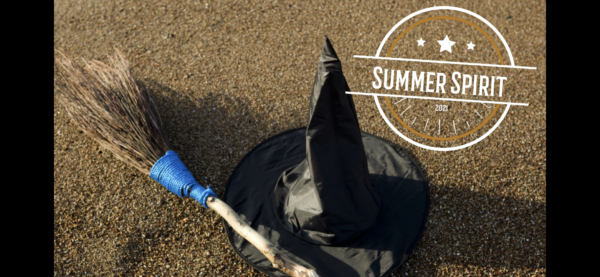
(444, 110)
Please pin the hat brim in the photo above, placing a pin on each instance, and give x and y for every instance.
(395, 177)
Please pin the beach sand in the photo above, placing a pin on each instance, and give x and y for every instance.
(226, 75)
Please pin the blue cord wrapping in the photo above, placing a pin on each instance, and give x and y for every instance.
(170, 172)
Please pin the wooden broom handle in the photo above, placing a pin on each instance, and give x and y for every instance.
(278, 260)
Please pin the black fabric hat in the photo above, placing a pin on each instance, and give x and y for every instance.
(333, 198)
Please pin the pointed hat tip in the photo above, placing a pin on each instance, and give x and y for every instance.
(328, 49)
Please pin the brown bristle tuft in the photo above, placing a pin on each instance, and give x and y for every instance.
(111, 107)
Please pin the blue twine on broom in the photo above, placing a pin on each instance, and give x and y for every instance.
(170, 172)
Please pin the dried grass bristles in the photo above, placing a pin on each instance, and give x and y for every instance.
(111, 107)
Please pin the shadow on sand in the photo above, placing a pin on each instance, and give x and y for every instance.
(212, 134)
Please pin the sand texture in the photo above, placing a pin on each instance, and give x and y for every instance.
(226, 75)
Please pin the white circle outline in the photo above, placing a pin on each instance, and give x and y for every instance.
(441, 148)
(512, 62)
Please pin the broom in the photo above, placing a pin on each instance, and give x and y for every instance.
(111, 107)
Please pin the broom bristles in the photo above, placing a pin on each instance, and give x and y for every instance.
(107, 103)
(111, 107)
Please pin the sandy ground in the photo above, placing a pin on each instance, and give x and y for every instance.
(226, 75)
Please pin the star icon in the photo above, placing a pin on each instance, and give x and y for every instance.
(421, 42)
(446, 44)
(471, 45)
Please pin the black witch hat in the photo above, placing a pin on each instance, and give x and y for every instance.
(332, 198)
